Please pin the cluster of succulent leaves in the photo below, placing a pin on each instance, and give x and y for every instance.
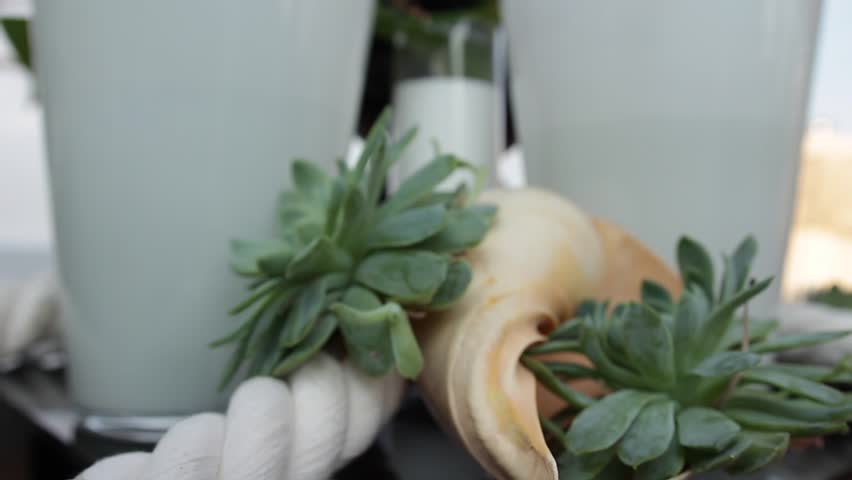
(346, 261)
(690, 389)
(833, 297)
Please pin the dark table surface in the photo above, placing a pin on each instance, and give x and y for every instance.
(39, 440)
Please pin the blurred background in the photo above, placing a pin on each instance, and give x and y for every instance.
(192, 100)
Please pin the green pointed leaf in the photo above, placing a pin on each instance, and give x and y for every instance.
(657, 297)
(650, 434)
(375, 140)
(459, 276)
(725, 364)
(614, 339)
(361, 299)
(232, 337)
(571, 370)
(773, 423)
(275, 264)
(465, 229)
(302, 316)
(311, 181)
(560, 389)
(259, 293)
(765, 448)
(604, 423)
(375, 179)
(695, 265)
(583, 467)
(789, 342)
(408, 227)
(688, 317)
(649, 344)
(616, 375)
(794, 408)
(236, 360)
(667, 465)
(406, 351)
(294, 208)
(379, 170)
(421, 184)
(553, 346)
(759, 329)
(335, 205)
(246, 253)
(839, 374)
(568, 330)
(451, 200)
(305, 350)
(816, 373)
(263, 349)
(317, 258)
(705, 428)
(304, 232)
(354, 221)
(722, 317)
(403, 345)
(800, 386)
(246, 332)
(737, 268)
(365, 332)
(266, 342)
(712, 461)
(18, 32)
(553, 429)
(408, 276)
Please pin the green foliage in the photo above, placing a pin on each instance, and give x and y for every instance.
(346, 262)
(833, 297)
(690, 391)
(18, 31)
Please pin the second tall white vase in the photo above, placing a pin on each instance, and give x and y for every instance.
(669, 117)
(171, 126)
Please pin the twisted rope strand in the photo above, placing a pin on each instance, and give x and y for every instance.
(322, 417)
(327, 413)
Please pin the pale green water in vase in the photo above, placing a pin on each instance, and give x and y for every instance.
(170, 129)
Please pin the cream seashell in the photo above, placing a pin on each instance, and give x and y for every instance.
(542, 257)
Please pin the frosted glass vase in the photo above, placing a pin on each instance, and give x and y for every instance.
(170, 128)
(450, 87)
(668, 116)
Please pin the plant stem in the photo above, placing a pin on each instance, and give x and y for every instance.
(744, 346)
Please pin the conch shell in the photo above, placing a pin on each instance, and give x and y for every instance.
(541, 259)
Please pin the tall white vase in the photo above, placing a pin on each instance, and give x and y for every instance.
(171, 126)
(668, 116)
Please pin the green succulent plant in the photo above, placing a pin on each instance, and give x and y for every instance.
(346, 261)
(832, 297)
(691, 390)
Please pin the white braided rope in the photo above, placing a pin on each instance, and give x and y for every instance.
(28, 310)
(327, 413)
(324, 415)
